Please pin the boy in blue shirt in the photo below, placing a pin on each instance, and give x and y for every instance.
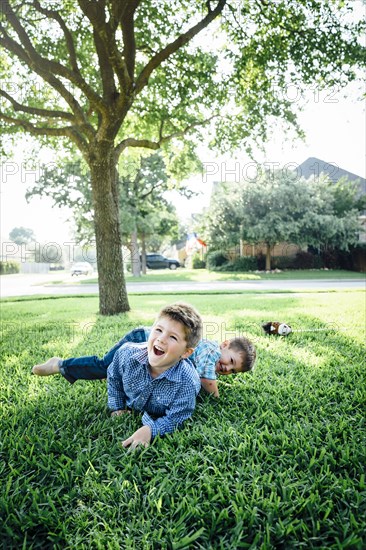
(210, 359)
(156, 377)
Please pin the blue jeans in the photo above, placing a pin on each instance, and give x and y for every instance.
(91, 367)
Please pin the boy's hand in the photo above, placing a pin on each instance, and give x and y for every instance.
(120, 412)
(142, 436)
(210, 386)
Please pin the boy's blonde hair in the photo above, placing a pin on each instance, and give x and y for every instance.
(246, 349)
(188, 316)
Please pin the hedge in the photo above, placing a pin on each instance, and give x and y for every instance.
(7, 268)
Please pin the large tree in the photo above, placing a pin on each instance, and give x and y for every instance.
(110, 74)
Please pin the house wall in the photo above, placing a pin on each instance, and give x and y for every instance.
(281, 249)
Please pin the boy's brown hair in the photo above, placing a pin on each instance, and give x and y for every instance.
(188, 316)
(246, 349)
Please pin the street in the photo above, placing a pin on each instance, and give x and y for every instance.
(42, 284)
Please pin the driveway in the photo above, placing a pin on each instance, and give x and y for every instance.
(36, 284)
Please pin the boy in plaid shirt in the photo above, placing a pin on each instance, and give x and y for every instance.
(156, 377)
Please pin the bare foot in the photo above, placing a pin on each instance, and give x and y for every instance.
(49, 367)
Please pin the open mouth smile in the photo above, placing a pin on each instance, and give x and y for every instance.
(158, 351)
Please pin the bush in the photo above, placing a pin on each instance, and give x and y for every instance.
(225, 268)
(330, 258)
(302, 260)
(352, 260)
(241, 264)
(197, 263)
(6, 268)
(282, 262)
(306, 260)
(216, 258)
(245, 263)
(355, 259)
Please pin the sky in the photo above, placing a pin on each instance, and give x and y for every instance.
(335, 127)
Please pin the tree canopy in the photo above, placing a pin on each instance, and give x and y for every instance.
(108, 76)
(278, 206)
(22, 235)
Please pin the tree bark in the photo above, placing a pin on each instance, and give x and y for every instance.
(113, 297)
(135, 255)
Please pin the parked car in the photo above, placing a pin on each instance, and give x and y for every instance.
(81, 268)
(157, 261)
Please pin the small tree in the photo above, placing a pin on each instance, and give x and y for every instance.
(22, 235)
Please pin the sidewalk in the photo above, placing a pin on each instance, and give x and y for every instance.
(21, 284)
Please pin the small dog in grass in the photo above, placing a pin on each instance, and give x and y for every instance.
(278, 329)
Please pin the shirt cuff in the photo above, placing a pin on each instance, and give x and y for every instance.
(148, 421)
(114, 406)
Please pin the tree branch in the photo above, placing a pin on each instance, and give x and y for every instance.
(40, 68)
(52, 14)
(150, 191)
(128, 33)
(45, 67)
(132, 142)
(67, 131)
(108, 55)
(174, 46)
(35, 110)
(54, 82)
(150, 144)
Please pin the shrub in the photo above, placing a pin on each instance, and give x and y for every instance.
(242, 264)
(306, 260)
(355, 259)
(330, 258)
(282, 262)
(216, 258)
(197, 263)
(6, 268)
(245, 263)
(225, 268)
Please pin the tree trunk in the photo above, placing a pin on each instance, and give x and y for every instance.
(135, 255)
(268, 257)
(143, 254)
(104, 178)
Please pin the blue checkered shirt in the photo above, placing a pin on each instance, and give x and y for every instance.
(166, 401)
(205, 357)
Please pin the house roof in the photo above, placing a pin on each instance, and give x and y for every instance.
(314, 166)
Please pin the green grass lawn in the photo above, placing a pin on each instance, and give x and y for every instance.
(277, 462)
(203, 275)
